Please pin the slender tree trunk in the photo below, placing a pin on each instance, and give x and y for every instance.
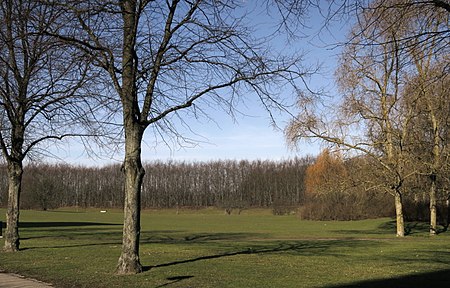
(134, 173)
(435, 168)
(15, 172)
(433, 212)
(399, 214)
(447, 206)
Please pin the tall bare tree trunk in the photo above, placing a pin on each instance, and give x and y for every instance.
(435, 167)
(447, 206)
(399, 214)
(433, 210)
(129, 262)
(15, 172)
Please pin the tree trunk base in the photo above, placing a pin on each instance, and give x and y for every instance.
(10, 247)
(12, 241)
(128, 265)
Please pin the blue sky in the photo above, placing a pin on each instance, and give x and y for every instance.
(250, 136)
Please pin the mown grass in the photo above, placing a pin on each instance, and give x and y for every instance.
(206, 248)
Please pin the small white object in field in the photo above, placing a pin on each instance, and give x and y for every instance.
(103, 211)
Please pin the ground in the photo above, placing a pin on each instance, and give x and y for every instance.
(206, 248)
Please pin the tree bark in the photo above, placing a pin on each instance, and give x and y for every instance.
(433, 210)
(399, 214)
(447, 206)
(129, 262)
(15, 172)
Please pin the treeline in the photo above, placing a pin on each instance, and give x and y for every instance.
(226, 184)
(327, 187)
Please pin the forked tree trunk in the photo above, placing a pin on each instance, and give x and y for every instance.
(129, 262)
(15, 172)
(433, 209)
(399, 214)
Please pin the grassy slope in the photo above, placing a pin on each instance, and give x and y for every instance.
(209, 249)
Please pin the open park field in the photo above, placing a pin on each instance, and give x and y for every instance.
(206, 248)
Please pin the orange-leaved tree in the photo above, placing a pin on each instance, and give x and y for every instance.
(326, 175)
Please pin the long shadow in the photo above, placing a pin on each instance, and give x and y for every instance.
(66, 211)
(62, 224)
(422, 227)
(389, 228)
(72, 231)
(118, 243)
(156, 236)
(437, 279)
(227, 254)
(71, 234)
(175, 279)
(386, 228)
(297, 247)
(167, 237)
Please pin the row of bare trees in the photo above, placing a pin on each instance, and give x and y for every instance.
(225, 184)
(328, 187)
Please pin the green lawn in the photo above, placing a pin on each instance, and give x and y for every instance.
(206, 248)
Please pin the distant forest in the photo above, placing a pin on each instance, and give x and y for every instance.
(324, 188)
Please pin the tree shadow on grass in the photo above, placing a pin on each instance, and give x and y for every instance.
(66, 230)
(73, 234)
(437, 279)
(117, 243)
(97, 233)
(175, 279)
(174, 237)
(297, 247)
(62, 224)
(96, 237)
(389, 228)
(80, 211)
(412, 227)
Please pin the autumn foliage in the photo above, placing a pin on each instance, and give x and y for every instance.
(335, 189)
(326, 175)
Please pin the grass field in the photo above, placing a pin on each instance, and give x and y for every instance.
(206, 248)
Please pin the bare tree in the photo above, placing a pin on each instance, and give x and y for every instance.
(423, 40)
(170, 60)
(39, 80)
(347, 10)
(430, 87)
(372, 119)
(428, 82)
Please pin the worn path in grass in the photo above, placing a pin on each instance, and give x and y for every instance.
(13, 281)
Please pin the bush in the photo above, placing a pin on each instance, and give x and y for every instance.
(281, 210)
(344, 206)
(420, 211)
